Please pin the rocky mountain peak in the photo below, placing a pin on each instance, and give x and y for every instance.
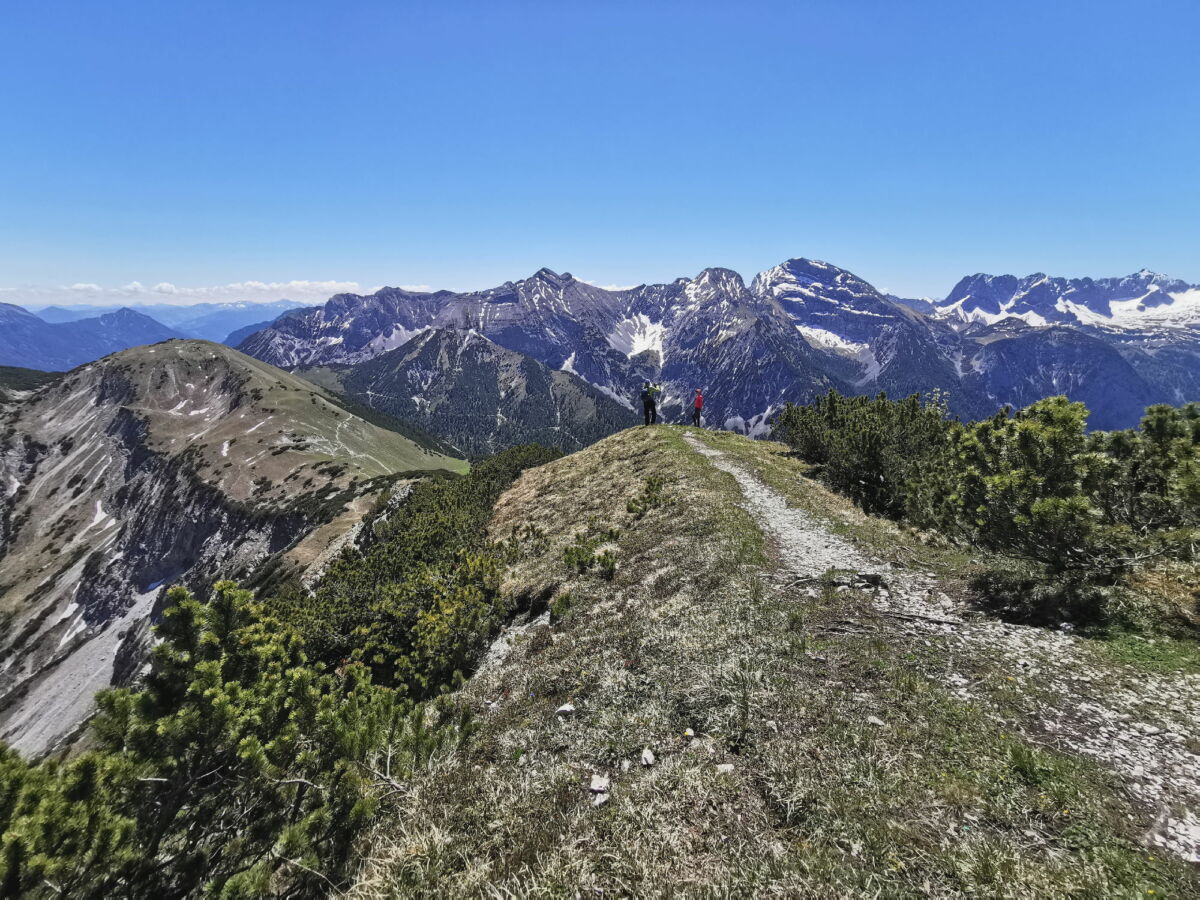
(551, 277)
(800, 277)
(716, 284)
(126, 317)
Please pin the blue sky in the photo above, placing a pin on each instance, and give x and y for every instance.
(461, 144)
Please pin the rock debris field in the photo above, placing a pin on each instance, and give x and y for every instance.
(1141, 725)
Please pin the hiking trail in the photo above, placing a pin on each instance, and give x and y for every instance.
(1139, 724)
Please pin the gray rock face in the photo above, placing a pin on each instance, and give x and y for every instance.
(799, 329)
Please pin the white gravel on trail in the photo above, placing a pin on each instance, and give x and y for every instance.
(807, 548)
(1143, 726)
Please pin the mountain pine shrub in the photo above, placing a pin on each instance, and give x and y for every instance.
(1078, 509)
(870, 449)
(606, 565)
(581, 555)
(560, 607)
(236, 769)
(419, 602)
(650, 498)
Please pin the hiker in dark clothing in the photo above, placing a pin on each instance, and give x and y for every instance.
(649, 406)
(697, 407)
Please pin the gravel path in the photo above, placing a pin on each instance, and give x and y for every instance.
(1143, 726)
(808, 549)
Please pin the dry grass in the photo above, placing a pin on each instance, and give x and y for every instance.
(782, 686)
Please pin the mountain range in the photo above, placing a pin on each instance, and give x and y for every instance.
(207, 321)
(1144, 300)
(799, 329)
(31, 342)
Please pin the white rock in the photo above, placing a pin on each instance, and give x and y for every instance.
(599, 799)
(600, 784)
(565, 710)
(725, 768)
(874, 720)
(647, 757)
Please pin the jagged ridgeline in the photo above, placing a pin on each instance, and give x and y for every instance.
(797, 330)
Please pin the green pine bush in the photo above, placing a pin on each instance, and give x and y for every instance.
(236, 769)
(1080, 509)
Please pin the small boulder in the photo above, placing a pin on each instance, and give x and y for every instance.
(647, 757)
(567, 709)
(600, 784)
(876, 721)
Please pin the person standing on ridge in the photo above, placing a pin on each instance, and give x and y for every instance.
(697, 407)
(649, 406)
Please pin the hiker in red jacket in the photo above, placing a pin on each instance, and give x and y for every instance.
(697, 408)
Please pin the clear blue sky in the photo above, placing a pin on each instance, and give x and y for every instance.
(460, 144)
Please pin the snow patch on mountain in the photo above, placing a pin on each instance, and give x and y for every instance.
(1143, 300)
(1155, 307)
(637, 334)
(982, 316)
(871, 366)
(824, 339)
(623, 400)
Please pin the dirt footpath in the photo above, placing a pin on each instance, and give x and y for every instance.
(1139, 724)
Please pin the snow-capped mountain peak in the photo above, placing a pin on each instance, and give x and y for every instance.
(1143, 299)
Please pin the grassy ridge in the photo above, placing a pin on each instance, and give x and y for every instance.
(685, 651)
